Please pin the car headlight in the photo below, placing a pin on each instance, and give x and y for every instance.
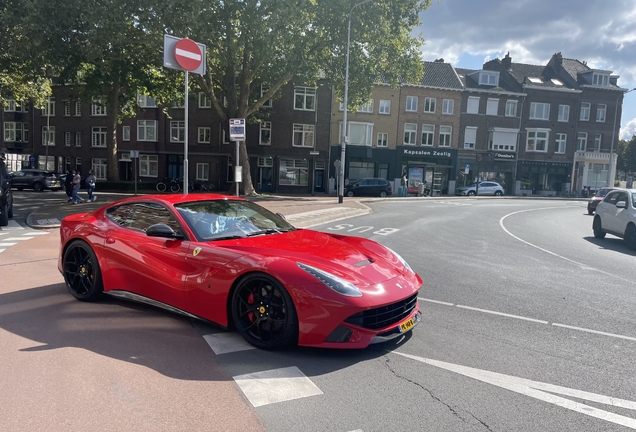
(402, 260)
(334, 282)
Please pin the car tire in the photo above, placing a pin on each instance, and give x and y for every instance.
(590, 212)
(10, 211)
(263, 312)
(37, 187)
(81, 272)
(470, 193)
(383, 194)
(4, 215)
(350, 194)
(498, 193)
(630, 236)
(598, 229)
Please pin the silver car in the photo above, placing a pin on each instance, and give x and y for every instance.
(485, 188)
(616, 215)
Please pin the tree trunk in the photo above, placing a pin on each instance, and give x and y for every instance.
(246, 186)
(112, 114)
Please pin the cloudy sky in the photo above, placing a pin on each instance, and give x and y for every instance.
(466, 33)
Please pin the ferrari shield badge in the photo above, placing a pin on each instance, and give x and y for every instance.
(196, 251)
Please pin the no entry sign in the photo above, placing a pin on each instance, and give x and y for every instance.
(183, 54)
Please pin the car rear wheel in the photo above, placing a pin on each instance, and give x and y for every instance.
(498, 193)
(630, 236)
(471, 193)
(350, 193)
(4, 215)
(82, 274)
(263, 312)
(598, 230)
(383, 194)
(38, 187)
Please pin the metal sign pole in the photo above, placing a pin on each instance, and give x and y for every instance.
(135, 162)
(236, 164)
(185, 141)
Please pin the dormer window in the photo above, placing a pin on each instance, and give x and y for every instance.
(488, 78)
(535, 80)
(599, 79)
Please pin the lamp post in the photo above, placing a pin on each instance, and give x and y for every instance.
(611, 174)
(344, 137)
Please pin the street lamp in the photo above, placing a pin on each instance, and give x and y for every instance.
(344, 137)
(611, 174)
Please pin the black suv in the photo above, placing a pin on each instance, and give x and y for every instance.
(370, 187)
(6, 196)
(35, 179)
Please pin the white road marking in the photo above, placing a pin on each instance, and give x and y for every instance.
(13, 225)
(38, 233)
(277, 385)
(538, 390)
(7, 244)
(223, 343)
(17, 238)
(528, 319)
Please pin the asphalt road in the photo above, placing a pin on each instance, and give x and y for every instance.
(528, 324)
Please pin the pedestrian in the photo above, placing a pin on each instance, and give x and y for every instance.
(77, 179)
(404, 185)
(90, 185)
(68, 184)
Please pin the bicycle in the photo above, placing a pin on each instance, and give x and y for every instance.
(168, 184)
(205, 187)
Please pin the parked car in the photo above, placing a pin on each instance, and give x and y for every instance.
(616, 215)
(485, 188)
(35, 179)
(227, 260)
(369, 187)
(597, 198)
(6, 196)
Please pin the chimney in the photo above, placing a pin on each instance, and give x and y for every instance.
(506, 63)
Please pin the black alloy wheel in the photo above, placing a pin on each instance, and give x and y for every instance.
(630, 236)
(350, 193)
(82, 274)
(498, 193)
(4, 215)
(598, 230)
(37, 187)
(263, 312)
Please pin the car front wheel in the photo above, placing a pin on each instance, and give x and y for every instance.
(471, 193)
(598, 230)
(4, 215)
(630, 236)
(383, 194)
(498, 193)
(263, 312)
(350, 194)
(37, 187)
(82, 274)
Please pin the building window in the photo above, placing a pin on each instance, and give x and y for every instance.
(204, 101)
(48, 137)
(385, 106)
(78, 139)
(49, 108)
(600, 113)
(410, 130)
(581, 141)
(429, 105)
(537, 140)
(11, 106)
(473, 105)
(145, 101)
(98, 136)
(98, 107)
(177, 131)
(293, 172)
(68, 138)
(67, 108)
(502, 139)
(360, 134)
(78, 109)
(488, 78)
(561, 139)
(225, 138)
(265, 133)
(304, 98)
(268, 102)
(366, 108)
(564, 113)
(448, 106)
(303, 135)
(203, 171)
(148, 165)
(600, 79)
(383, 139)
(125, 133)
(585, 111)
(146, 130)
(597, 142)
(204, 134)
(539, 111)
(511, 108)
(10, 131)
(445, 136)
(470, 137)
(411, 103)
(428, 132)
(492, 106)
(99, 166)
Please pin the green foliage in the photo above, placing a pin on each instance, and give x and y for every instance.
(626, 160)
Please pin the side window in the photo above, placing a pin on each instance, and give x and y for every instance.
(611, 198)
(622, 197)
(139, 216)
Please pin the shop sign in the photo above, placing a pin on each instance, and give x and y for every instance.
(504, 156)
(428, 153)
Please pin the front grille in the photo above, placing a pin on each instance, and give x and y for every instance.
(384, 316)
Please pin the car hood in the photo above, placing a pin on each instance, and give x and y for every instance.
(357, 260)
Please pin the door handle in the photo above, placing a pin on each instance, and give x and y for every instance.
(110, 240)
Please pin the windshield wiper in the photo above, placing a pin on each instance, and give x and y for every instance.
(267, 231)
(228, 237)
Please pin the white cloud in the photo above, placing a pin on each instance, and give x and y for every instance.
(628, 131)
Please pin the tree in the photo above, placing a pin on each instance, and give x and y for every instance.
(626, 160)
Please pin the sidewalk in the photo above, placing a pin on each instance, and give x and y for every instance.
(300, 211)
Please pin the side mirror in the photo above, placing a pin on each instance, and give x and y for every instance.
(163, 230)
(621, 204)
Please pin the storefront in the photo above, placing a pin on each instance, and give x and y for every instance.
(492, 166)
(435, 166)
(544, 178)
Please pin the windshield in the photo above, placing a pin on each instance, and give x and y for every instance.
(226, 219)
(602, 192)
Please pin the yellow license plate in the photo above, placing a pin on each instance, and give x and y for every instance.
(406, 325)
